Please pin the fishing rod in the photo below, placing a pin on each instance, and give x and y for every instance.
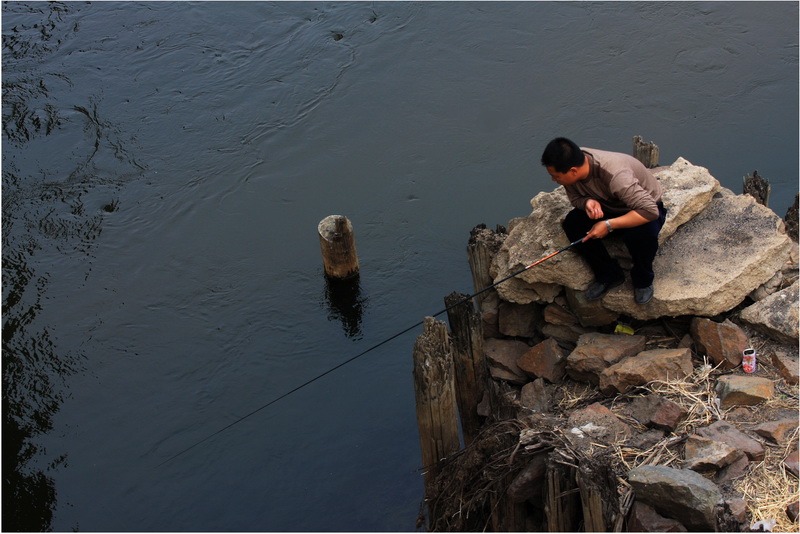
(398, 334)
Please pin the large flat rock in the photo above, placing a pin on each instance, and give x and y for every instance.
(712, 262)
(688, 189)
(717, 247)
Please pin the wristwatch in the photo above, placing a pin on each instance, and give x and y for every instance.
(608, 225)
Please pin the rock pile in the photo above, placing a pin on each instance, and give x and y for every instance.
(614, 375)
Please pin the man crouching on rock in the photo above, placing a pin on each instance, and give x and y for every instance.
(610, 192)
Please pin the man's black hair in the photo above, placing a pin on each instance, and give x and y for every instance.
(562, 154)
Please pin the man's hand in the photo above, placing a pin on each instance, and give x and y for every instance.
(600, 228)
(593, 209)
(598, 231)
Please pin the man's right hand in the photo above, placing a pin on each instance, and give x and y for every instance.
(593, 209)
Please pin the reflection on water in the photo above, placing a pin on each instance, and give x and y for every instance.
(33, 375)
(50, 213)
(346, 304)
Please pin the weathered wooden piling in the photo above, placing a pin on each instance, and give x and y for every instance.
(471, 373)
(594, 519)
(562, 501)
(481, 248)
(434, 388)
(647, 153)
(757, 187)
(507, 515)
(337, 241)
(791, 219)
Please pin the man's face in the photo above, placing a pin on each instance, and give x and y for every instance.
(564, 178)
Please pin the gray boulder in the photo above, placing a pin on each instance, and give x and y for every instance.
(717, 247)
(776, 315)
(688, 189)
(693, 498)
(712, 262)
(533, 237)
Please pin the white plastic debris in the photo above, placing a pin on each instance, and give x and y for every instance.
(592, 429)
(577, 431)
(763, 526)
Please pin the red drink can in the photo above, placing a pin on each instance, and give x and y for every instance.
(749, 360)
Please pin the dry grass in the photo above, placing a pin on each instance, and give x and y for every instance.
(769, 489)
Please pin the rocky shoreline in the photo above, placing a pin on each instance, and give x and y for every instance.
(644, 412)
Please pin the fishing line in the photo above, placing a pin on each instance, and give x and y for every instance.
(362, 353)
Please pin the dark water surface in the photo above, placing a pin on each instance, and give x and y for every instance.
(165, 166)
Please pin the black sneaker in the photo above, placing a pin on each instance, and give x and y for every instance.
(642, 295)
(598, 290)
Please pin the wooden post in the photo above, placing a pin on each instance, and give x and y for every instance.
(507, 515)
(483, 245)
(469, 363)
(647, 153)
(757, 187)
(435, 396)
(338, 246)
(791, 219)
(561, 502)
(592, 504)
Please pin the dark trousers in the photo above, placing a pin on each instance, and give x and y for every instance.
(642, 243)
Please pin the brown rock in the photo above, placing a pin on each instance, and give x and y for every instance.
(793, 510)
(738, 508)
(484, 407)
(504, 375)
(528, 483)
(791, 464)
(644, 518)
(546, 360)
(502, 356)
(595, 352)
(566, 335)
(786, 366)
(596, 423)
(657, 411)
(490, 315)
(776, 431)
(722, 342)
(739, 390)
(649, 365)
(727, 433)
(589, 313)
(668, 415)
(535, 397)
(645, 440)
(641, 408)
(519, 319)
(555, 314)
(703, 454)
(734, 470)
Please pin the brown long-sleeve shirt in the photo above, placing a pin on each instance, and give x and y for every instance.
(620, 183)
